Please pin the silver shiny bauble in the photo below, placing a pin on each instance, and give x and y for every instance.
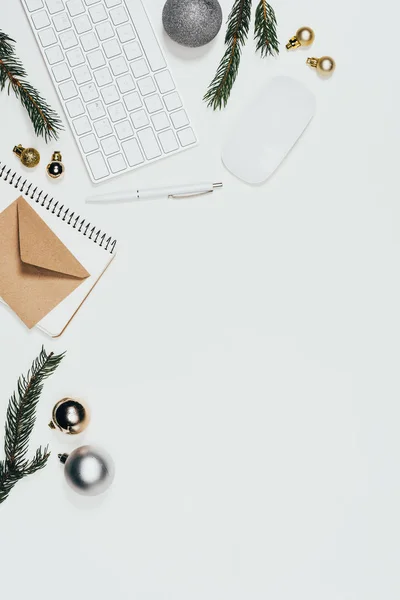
(88, 470)
(192, 22)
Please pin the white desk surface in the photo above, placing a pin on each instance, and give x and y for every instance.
(241, 357)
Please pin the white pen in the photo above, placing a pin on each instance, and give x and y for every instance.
(177, 191)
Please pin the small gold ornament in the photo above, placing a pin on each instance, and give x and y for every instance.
(28, 156)
(324, 65)
(70, 416)
(304, 37)
(55, 168)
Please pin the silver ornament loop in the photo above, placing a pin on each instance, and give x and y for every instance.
(89, 470)
(192, 23)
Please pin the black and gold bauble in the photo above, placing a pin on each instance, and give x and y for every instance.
(55, 168)
(70, 416)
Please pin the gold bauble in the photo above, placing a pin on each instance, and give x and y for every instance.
(304, 37)
(29, 157)
(324, 65)
(70, 416)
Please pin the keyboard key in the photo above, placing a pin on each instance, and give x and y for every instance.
(145, 32)
(125, 33)
(186, 137)
(124, 130)
(54, 55)
(110, 94)
(139, 119)
(98, 13)
(117, 112)
(90, 2)
(96, 59)
(82, 74)
(119, 65)
(89, 42)
(54, 6)
(61, 72)
(82, 125)
(146, 86)
(61, 22)
(75, 57)
(119, 15)
(132, 101)
(89, 143)
(172, 101)
(105, 31)
(75, 7)
(112, 48)
(47, 37)
(139, 68)
(103, 127)
(110, 145)
(41, 19)
(103, 76)
(164, 81)
(97, 165)
(82, 24)
(75, 108)
(160, 121)
(89, 92)
(133, 153)
(132, 51)
(68, 90)
(125, 84)
(179, 119)
(68, 39)
(111, 3)
(149, 143)
(117, 163)
(153, 103)
(168, 141)
(32, 5)
(96, 110)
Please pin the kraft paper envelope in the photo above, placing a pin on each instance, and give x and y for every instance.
(37, 271)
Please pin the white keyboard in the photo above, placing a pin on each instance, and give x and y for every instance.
(113, 81)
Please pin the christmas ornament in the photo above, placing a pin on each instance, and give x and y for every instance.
(304, 37)
(55, 168)
(192, 22)
(88, 470)
(324, 65)
(28, 156)
(70, 416)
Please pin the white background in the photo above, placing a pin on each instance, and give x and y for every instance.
(241, 356)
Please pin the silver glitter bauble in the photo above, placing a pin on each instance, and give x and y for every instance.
(88, 470)
(192, 22)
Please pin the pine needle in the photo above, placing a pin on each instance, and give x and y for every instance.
(20, 420)
(220, 88)
(45, 120)
(265, 29)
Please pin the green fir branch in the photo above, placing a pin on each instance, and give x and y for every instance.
(20, 420)
(45, 120)
(220, 88)
(265, 30)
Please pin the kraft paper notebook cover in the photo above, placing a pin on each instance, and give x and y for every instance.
(50, 257)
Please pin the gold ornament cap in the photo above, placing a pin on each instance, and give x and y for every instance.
(70, 416)
(29, 157)
(305, 36)
(324, 65)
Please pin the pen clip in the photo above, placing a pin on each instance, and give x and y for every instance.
(191, 195)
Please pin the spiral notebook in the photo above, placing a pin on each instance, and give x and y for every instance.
(50, 257)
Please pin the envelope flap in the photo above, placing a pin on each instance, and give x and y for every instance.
(40, 247)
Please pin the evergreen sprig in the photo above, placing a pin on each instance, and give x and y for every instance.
(236, 35)
(265, 35)
(45, 120)
(265, 29)
(20, 420)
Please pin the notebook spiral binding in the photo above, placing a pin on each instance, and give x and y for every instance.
(39, 196)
